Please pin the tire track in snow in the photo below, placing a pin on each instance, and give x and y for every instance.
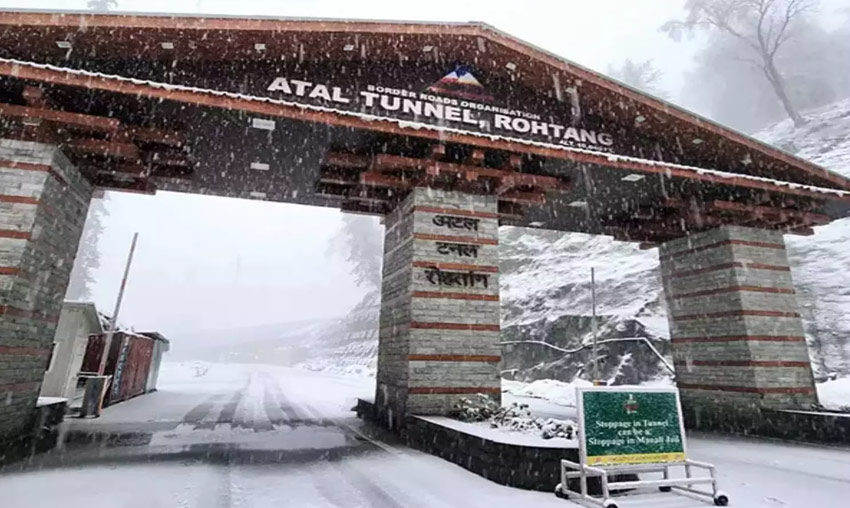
(328, 482)
(295, 415)
(229, 410)
(376, 495)
(225, 490)
(271, 405)
(196, 415)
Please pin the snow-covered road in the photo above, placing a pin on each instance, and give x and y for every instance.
(262, 436)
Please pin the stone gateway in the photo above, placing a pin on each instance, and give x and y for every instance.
(445, 145)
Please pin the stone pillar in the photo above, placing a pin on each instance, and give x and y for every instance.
(43, 205)
(439, 325)
(735, 324)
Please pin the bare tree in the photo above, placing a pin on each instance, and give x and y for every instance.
(641, 75)
(763, 26)
(102, 5)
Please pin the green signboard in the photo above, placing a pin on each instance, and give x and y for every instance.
(631, 426)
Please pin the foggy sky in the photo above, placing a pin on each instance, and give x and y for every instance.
(212, 263)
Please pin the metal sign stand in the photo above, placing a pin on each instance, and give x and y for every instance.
(582, 471)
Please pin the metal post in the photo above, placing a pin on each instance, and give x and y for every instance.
(593, 323)
(114, 322)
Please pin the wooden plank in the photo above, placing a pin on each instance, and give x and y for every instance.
(137, 185)
(127, 169)
(514, 162)
(167, 159)
(375, 179)
(34, 97)
(346, 160)
(533, 197)
(152, 135)
(438, 151)
(476, 158)
(801, 230)
(89, 123)
(768, 212)
(338, 181)
(104, 148)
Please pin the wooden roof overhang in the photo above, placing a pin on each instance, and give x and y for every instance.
(537, 182)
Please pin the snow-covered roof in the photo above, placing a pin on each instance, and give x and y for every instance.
(89, 310)
(540, 69)
(288, 108)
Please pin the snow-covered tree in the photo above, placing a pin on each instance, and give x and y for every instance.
(641, 75)
(102, 5)
(361, 241)
(764, 27)
(88, 254)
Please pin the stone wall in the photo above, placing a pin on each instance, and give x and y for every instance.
(439, 325)
(43, 205)
(524, 467)
(734, 320)
(789, 425)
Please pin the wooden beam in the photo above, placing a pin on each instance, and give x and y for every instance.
(346, 160)
(139, 185)
(385, 162)
(34, 97)
(646, 234)
(104, 148)
(514, 162)
(800, 230)
(367, 199)
(338, 181)
(768, 212)
(476, 157)
(167, 159)
(532, 197)
(152, 135)
(375, 179)
(364, 208)
(438, 151)
(127, 169)
(88, 123)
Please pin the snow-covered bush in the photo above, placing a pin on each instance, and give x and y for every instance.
(516, 417)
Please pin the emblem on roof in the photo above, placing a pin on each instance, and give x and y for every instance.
(631, 405)
(460, 82)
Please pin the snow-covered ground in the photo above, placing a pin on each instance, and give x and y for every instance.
(835, 394)
(240, 436)
(257, 436)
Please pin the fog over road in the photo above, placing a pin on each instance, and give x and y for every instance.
(262, 436)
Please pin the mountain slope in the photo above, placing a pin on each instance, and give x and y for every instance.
(821, 263)
(545, 275)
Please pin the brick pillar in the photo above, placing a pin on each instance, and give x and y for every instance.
(734, 321)
(439, 326)
(43, 206)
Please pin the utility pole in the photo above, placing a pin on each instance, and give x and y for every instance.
(593, 323)
(114, 322)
